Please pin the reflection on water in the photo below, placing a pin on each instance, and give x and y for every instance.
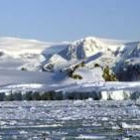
(69, 120)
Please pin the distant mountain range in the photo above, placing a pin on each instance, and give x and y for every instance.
(121, 57)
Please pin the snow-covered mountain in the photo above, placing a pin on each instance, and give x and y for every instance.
(33, 55)
(90, 59)
(83, 50)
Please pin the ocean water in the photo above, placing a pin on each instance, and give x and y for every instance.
(70, 120)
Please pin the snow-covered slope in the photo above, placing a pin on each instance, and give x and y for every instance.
(16, 47)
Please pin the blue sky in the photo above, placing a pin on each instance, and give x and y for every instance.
(62, 20)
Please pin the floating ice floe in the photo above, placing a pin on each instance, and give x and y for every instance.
(90, 137)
